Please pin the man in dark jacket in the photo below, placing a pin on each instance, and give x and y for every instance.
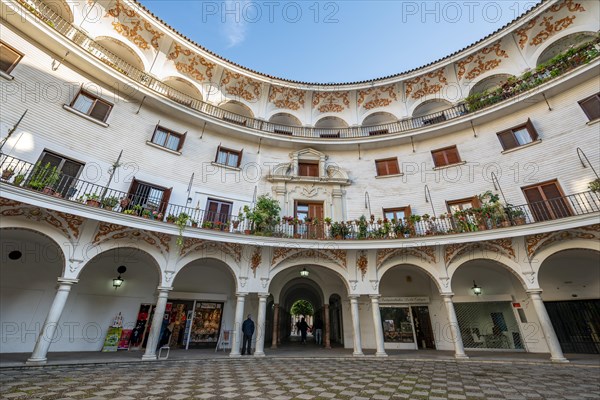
(247, 331)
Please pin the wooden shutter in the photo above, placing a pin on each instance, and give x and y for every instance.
(224, 212)
(8, 58)
(380, 166)
(100, 110)
(591, 107)
(393, 168)
(217, 155)
(438, 158)
(507, 140)
(240, 154)
(181, 140)
(452, 155)
(165, 200)
(531, 129)
(211, 211)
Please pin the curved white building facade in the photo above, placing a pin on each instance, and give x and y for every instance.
(125, 144)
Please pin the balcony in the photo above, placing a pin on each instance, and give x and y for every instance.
(47, 180)
(572, 59)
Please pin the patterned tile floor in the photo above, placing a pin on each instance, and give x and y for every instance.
(306, 379)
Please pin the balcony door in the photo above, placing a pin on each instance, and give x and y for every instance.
(218, 211)
(546, 201)
(312, 211)
(69, 171)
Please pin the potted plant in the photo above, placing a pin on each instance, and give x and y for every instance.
(339, 230)
(110, 202)
(129, 212)
(207, 225)
(327, 220)
(146, 214)
(92, 200)
(124, 202)
(137, 209)
(171, 218)
(18, 179)
(8, 173)
(264, 216)
(181, 222)
(194, 223)
(515, 214)
(43, 178)
(594, 185)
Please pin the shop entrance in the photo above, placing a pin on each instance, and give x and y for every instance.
(407, 326)
(577, 325)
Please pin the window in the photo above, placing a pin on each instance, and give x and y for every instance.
(546, 201)
(69, 172)
(308, 169)
(91, 105)
(167, 138)
(229, 157)
(9, 58)
(462, 204)
(591, 106)
(397, 214)
(218, 211)
(149, 197)
(389, 166)
(445, 156)
(518, 136)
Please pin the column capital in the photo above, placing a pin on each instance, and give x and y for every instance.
(447, 295)
(67, 281)
(353, 296)
(375, 297)
(535, 291)
(164, 289)
(241, 294)
(262, 296)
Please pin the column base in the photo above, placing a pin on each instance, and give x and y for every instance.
(358, 354)
(36, 361)
(461, 356)
(149, 357)
(235, 355)
(381, 354)
(257, 354)
(559, 360)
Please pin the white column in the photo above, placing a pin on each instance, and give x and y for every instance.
(378, 327)
(275, 326)
(157, 320)
(459, 350)
(556, 353)
(356, 325)
(46, 335)
(260, 331)
(237, 325)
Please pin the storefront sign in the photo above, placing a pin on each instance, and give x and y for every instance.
(404, 300)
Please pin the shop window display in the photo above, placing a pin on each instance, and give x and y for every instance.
(397, 325)
(207, 323)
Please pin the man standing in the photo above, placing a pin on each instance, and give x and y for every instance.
(248, 331)
(303, 328)
(318, 328)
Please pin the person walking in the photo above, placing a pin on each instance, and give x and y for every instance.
(248, 331)
(303, 328)
(318, 330)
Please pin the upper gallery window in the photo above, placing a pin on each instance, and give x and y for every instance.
(445, 156)
(229, 157)
(591, 106)
(388, 166)
(168, 138)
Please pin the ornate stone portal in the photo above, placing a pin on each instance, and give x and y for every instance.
(291, 185)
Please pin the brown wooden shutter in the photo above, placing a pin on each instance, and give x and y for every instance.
(407, 212)
(438, 158)
(181, 140)
(240, 154)
(379, 167)
(507, 140)
(591, 107)
(531, 129)
(165, 200)
(393, 168)
(452, 155)
(217, 155)
(100, 110)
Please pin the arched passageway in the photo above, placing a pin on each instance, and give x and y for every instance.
(570, 280)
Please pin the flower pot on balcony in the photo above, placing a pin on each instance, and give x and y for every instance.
(246, 231)
(505, 224)
(48, 190)
(7, 174)
(519, 221)
(58, 194)
(194, 224)
(124, 202)
(92, 203)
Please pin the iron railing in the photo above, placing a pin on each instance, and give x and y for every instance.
(48, 180)
(46, 14)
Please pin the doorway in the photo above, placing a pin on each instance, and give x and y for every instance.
(577, 324)
(423, 330)
(312, 214)
(407, 327)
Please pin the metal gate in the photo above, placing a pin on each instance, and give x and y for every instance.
(577, 325)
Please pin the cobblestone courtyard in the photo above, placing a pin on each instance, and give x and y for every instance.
(284, 379)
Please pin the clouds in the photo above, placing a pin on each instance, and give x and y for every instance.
(235, 27)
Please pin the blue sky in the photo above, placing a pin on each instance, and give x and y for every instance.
(335, 41)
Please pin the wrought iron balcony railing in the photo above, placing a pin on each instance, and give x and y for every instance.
(48, 180)
(45, 13)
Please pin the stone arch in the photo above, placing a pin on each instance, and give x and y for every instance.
(562, 42)
(429, 107)
(288, 265)
(491, 81)
(238, 108)
(538, 258)
(225, 259)
(41, 231)
(503, 261)
(130, 54)
(414, 261)
(125, 250)
(378, 118)
(331, 122)
(184, 86)
(287, 119)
